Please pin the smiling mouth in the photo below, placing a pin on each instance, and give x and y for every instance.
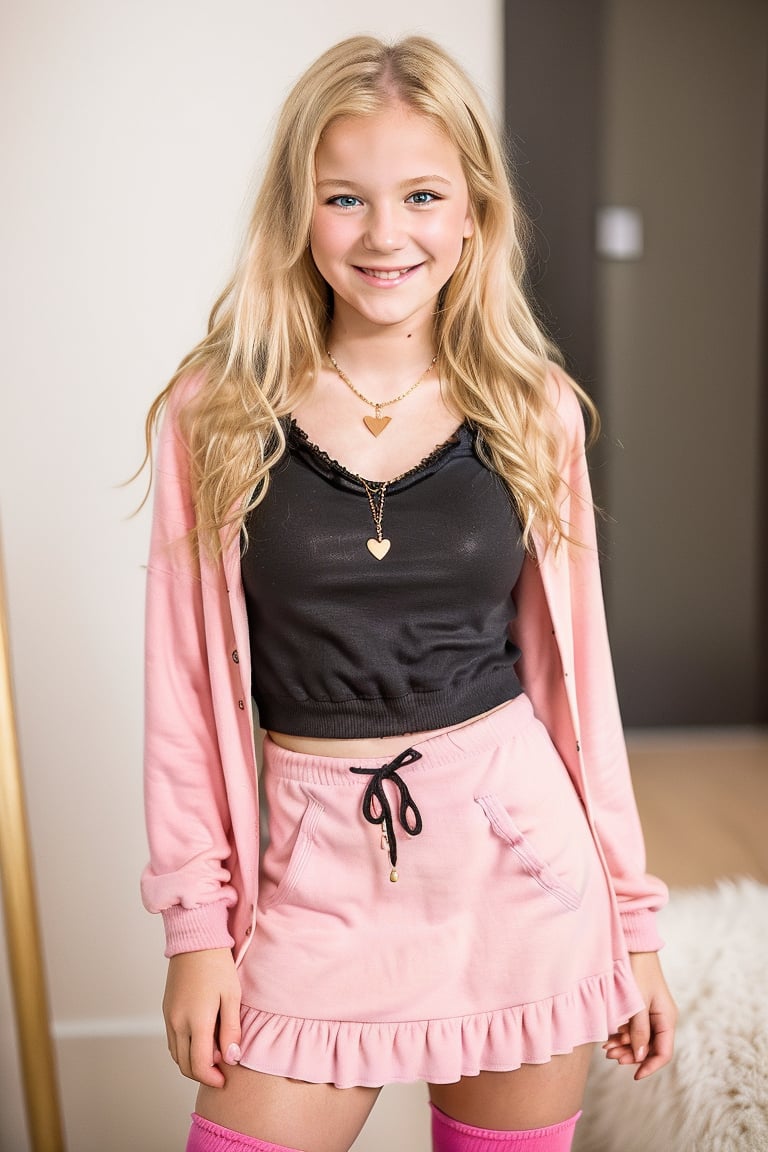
(387, 273)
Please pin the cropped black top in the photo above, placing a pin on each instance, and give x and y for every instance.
(346, 645)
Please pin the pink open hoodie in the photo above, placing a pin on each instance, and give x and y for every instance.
(201, 791)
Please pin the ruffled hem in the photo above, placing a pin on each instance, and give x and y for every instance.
(371, 1054)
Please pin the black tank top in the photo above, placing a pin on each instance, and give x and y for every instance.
(346, 645)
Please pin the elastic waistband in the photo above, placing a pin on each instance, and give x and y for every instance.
(503, 725)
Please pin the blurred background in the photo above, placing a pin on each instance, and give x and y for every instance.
(131, 135)
(639, 136)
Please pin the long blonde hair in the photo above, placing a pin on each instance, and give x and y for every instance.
(267, 330)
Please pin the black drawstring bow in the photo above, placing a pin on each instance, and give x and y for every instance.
(375, 791)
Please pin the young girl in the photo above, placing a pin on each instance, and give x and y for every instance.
(373, 518)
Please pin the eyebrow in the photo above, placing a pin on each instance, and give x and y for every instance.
(432, 179)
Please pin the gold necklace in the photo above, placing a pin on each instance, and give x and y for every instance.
(378, 547)
(377, 423)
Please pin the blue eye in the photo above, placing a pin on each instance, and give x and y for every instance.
(345, 201)
(421, 198)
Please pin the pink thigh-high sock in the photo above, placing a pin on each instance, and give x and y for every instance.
(451, 1136)
(205, 1136)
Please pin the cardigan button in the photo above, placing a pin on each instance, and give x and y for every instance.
(235, 657)
(241, 705)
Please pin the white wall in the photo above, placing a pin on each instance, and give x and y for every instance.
(130, 133)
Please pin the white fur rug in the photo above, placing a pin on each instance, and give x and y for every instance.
(714, 1096)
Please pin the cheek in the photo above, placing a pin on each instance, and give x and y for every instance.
(330, 241)
(320, 249)
(329, 236)
(447, 235)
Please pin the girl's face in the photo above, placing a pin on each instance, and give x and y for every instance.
(391, 214)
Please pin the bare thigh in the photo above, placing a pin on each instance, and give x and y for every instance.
(533, 1096)
(291, 1113)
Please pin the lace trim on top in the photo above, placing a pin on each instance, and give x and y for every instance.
(431, 458)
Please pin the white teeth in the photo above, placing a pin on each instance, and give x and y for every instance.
(379, 274)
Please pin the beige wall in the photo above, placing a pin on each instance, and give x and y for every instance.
(129, 135)
(684, 132)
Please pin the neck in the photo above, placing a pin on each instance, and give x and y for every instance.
(387, 356)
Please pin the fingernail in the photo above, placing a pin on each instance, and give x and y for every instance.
(233, 1054)
(640, 1053)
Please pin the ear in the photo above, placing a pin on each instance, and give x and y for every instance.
(469, 226)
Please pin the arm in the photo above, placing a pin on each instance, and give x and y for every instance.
(605, 766)
(185, 798)
(187, 817)
(647, 1039)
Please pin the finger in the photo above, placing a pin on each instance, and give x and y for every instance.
(621, 1056)
(183, 1060)
(171, 1040)
(661, 1051)
(617, 1050)
(229, 1029)
(203, 1060)
(616, 1042)
(640, 1035)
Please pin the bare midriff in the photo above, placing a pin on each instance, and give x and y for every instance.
(368, 747)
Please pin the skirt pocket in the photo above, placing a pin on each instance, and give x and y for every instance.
(505, 828)
(294, 859)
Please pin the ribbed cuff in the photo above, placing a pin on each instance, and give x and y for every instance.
(195, 929)
(452, 1136)
(205, 1136)
(640, 931)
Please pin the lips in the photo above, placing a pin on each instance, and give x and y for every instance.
(387, 273)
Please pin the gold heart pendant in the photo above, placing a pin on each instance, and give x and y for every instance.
(376, 424)
(378, 548)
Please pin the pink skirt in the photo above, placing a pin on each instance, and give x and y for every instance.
(498, 944)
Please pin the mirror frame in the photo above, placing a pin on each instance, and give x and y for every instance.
(23, 940)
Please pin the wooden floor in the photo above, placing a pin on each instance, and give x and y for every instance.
(703, 800)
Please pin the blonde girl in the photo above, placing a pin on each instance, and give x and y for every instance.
(373, 520)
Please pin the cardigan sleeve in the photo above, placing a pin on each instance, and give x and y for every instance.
(186, 811)
(607, 780)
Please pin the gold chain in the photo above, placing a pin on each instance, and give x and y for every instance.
(376, 513)
(384, 403)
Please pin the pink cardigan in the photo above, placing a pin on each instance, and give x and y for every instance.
(201, 793)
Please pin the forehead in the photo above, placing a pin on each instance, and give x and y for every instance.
(396, 138)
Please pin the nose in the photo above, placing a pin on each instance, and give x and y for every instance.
(383, 232)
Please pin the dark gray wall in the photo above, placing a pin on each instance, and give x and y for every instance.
(552, 104)
(680, 134)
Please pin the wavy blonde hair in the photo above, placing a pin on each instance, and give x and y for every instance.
(267, 330)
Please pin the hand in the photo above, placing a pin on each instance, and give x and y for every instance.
(648, 1038)
(201, 1007)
